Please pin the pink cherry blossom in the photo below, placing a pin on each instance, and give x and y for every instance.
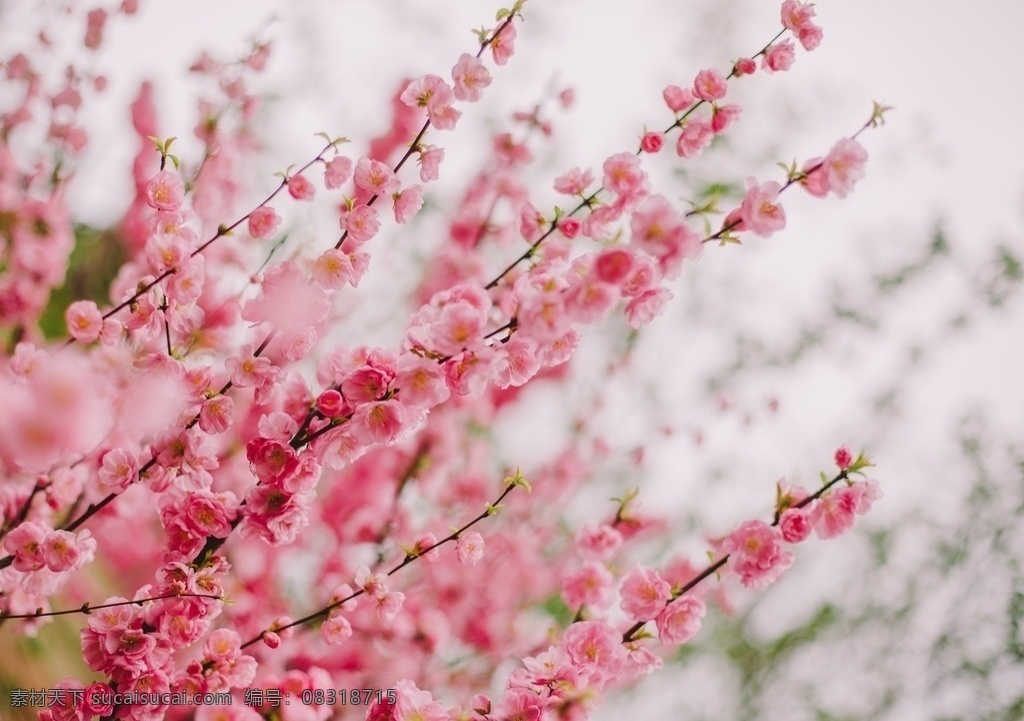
(652, 142)
(430, 159)
(470, 77)
(361, 224)
(407, 203)
(165, 191)
(835, 512)
(844, 166)
(623, 175)
(760, 212)
(25, 543)
(335, 268)
(263, 222)
(503, 44)
(646, 306)
(374, 177)
(574, 182)
(84, 321)
(795, 525)
(300, 188)
(710, 85)
(843, 458)
(336, 629)
(215, 415)
(337, 171)
(680, 621)
(592, 585)
(569, 227)
(745, 66)
(678, 99)
(779, 57)
(756, 553)
(596, 650)
(379, 422)
(644, 593)
(694, 138)
(598, 542)
(470, 548)
(118, 469)
(724, 116)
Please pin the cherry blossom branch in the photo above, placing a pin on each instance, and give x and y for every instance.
(415, 145)
(222, 231)
(87, 608)
(796, 176)
(589, 200)
(713, 568)
(491, 509)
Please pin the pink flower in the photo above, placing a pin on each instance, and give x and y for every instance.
(470, 77)
(335, 268)
(379, 422)
(470, 548)
(411, 705)
(517, 362)
(300, 188)
(710, 85)
(118, 469)
(432, 92)
(247, 369)
(84, 321)
(844, 166)
(215, 415)
(645, 307)
(835, 512)
(374, 177)
(779, 57)
(622, 174)
(799, 17)
(865, 495)
(336, 629)
(364, 385)
(795, 525)
(678, 99)
(644, 593)
(843, 457)
(165, 191)
(25, 543)
(430, 163)
(271, 461)
(679, 621)
(337, 172)
(596, 650)
(816, 182)
(598, 542)
(361, 224)
(591, 586)
(407, 203)
(694, 138)
(756, 553)
(388, 605)
(420, 382)
(331, 404)
(263, 222)
(744, 66)
(503, 44)
(759, 211)
(574, 182)
(532, 223)
(569, 227)
(724, 116)
(652, 142)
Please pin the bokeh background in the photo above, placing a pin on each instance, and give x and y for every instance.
(891, 321)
